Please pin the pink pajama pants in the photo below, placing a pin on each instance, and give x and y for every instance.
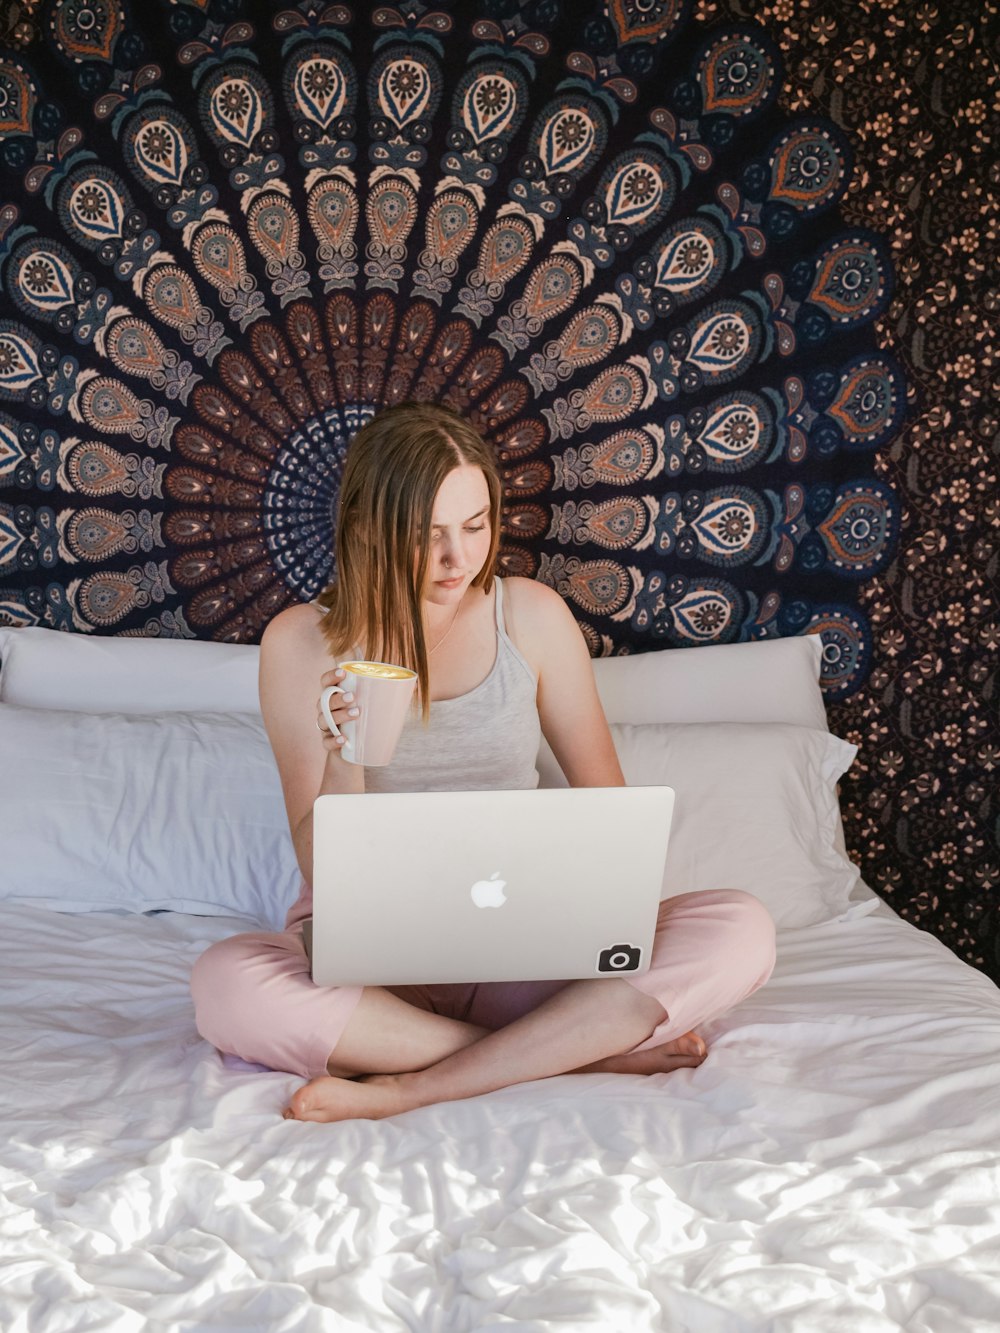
(254, 997)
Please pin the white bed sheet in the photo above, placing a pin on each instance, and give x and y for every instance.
(832, 1166)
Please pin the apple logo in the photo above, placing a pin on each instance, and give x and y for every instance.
(489, 892)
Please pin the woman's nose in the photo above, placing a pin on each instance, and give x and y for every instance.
(452, 554)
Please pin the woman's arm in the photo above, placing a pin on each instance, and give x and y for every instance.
(569, 708)
(294, 658)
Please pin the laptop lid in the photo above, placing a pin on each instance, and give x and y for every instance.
(412, 888)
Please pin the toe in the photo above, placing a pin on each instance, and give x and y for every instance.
(691, 1044)
(301, 1104)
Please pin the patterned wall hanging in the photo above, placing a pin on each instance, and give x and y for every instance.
(648, 247)
(237, 231)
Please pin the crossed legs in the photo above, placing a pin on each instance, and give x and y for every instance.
(253, 997)
(581, 1028)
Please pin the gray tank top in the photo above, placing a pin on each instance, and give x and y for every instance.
(485, 740)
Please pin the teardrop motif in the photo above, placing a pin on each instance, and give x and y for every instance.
(736, 76)
(723, 342)
(44, 280)
(161, 153)
(319, 89)
(274, 228)
(618, 524)
(18, 363)
(96, 208)
(643, 20)
(108, 405)
(807, 170)
(107, 598)
(333, 213)
(738, 431)
(87, 31)
(95, 469)
(18, 108)
(237, 111)
(391, 212)
(691, 260)
(567, 140)
(704, 614)
(635, 192)
(615, 393)
(868, 402)
(404, 90)
(601, 587)
(850, 283)
(731, 527)
(552, 288)
(96, 534)
(219, 256)
(859, 529)
(621, 459)
(451, 225)
(506, 249)
(488, 106)
(171, 296)
(591, 336)
(135, 347)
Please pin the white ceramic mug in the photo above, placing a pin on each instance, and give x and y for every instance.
(382, 691)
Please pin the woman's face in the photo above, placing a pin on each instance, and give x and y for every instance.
(460, 535)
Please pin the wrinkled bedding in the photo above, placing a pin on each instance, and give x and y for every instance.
(834, 1165)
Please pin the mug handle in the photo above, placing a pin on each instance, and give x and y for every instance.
(324, 703)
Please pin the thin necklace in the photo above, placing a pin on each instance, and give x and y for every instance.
(458, 612)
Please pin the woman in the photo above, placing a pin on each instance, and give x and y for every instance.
(498, 662)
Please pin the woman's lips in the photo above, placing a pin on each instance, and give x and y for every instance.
(451, 583)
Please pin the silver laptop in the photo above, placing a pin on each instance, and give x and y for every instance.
(418, 887)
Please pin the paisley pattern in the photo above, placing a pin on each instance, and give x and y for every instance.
(628, 246)
(608, 324)
(87, 29)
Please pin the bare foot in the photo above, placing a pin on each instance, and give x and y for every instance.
(375, 1096)
(327, 1099)
(685, 1052)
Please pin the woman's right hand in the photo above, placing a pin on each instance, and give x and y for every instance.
(343, 708)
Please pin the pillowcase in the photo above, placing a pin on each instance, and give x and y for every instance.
(770, 680)
(773, 680)
(756, 809)
(143, 813)
(47, 668)
(185, 812)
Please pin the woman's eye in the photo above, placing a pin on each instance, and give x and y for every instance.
(479, 529)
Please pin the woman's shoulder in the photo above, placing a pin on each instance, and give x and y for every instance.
(538, 612)
(297, 629)
(532, 598)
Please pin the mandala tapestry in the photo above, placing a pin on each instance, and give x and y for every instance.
(638, 243)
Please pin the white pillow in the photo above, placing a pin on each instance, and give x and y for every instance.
(46, 668)
(184, 812)
(756, 809)
(773, 680)
(143, 813)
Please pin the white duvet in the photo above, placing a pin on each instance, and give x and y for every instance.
(834, 1165)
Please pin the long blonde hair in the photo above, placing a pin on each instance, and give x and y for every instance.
(394, 468)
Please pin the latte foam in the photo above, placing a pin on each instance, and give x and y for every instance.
(381, 670)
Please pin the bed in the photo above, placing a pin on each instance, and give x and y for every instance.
(833, 1165)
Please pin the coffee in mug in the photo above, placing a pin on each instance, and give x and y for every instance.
(383, 692)
(381, 670)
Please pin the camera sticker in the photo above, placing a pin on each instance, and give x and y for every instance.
(619, 958)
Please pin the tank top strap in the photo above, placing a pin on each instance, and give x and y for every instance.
(504, 638)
